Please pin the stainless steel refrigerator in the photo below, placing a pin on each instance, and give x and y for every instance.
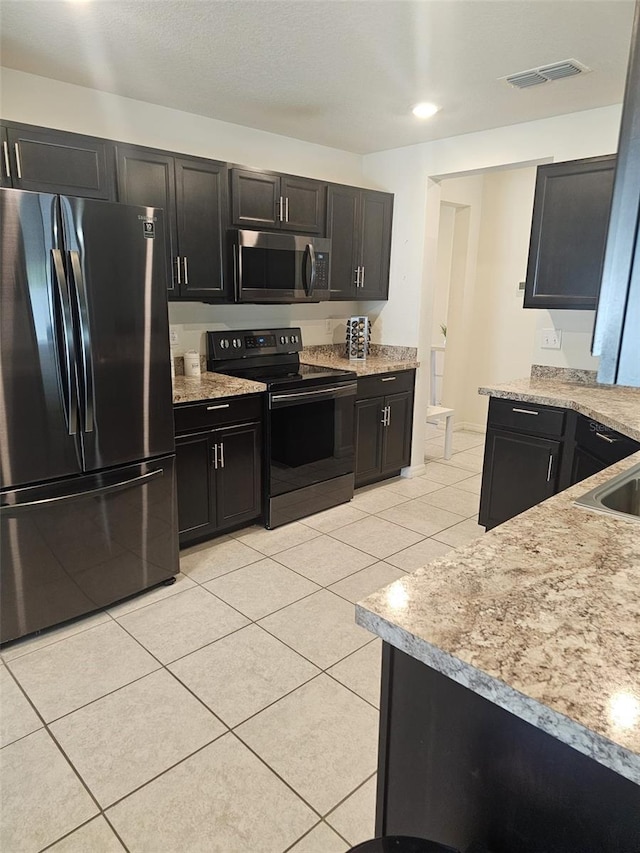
(87, 497)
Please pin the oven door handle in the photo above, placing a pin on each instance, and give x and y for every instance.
(277, 401)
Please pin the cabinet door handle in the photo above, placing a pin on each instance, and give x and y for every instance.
(280, 207)
(18, 163)
(549, 467)
(221, 455)
(286, 209)
(357, 276)
(219, 406)
(215, 455)
(362, 277)
(186, 274)
(178, 268)
(5, 151)
(606, 438)
(388, 415)
(388, 378)
(525, 411)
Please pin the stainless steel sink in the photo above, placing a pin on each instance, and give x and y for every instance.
(619, 496)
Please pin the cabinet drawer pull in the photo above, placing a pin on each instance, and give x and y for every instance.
(388, 378)
(550, 466)
(525, 411)
(606, 438)
(18, 163)
(219, 406)
(5, 151)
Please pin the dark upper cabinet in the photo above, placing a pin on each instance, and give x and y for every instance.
(268, 201)
(5, 164)
(192, 192)
(568, 233)
(383, 423)
(44, 160)
(616, 340)
(359, 225)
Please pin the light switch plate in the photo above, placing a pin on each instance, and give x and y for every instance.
(174, 338)
(551, 339)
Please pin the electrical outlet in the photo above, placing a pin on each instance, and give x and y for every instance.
(328, 327)
(551, 339)
(174, 337)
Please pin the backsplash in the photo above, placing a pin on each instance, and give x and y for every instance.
(565, 374)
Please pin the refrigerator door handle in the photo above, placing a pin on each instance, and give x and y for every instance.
(71, 399)
(87, 360)
(10, 509)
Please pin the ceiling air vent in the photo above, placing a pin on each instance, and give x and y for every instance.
(546, 73)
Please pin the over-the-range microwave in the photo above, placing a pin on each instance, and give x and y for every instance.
(280, 267)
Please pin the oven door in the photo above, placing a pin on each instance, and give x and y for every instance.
(310, 437)
(280, 267)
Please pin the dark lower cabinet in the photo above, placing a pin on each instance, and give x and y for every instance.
(525, 458)
(457, 769)
(383, 427)
(596, 447)
(533, 452)
(522, 471)
(54, 161)
(219, 471)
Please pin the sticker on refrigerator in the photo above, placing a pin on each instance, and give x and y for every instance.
(149, 228)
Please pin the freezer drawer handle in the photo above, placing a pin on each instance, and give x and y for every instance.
(69, 346)
(143, 479)
(87, 361)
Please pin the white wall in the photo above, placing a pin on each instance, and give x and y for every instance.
(409, 173)
(576, 328)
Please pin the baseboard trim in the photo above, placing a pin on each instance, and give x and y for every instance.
(469, 427)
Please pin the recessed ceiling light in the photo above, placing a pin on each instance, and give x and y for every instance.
(425, 110)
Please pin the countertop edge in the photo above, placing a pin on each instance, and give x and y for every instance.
(568, 731)
(547, 398)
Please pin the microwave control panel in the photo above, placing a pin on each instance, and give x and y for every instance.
(322, 271)
(241, 344)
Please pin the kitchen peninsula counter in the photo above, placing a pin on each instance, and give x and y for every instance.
(511, 671)
(212, 386)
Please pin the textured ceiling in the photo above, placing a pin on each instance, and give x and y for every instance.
(343, 73)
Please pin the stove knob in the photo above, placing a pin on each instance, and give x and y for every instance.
(294, 339)
(224, 343)
(282, 339)
(237, 343)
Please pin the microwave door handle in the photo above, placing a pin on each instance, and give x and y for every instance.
(312, 277)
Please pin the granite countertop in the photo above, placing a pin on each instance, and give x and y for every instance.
(382, 359)
(615, 406)
(210, 386)
(541, 614)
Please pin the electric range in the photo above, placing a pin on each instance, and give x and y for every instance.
(309, 420)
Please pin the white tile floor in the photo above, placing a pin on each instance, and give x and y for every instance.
(236, 710)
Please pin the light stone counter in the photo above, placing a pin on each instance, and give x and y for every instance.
(210, 386)
(541, 615)
(382, 359)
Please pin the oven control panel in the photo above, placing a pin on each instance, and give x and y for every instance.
(242, 344)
